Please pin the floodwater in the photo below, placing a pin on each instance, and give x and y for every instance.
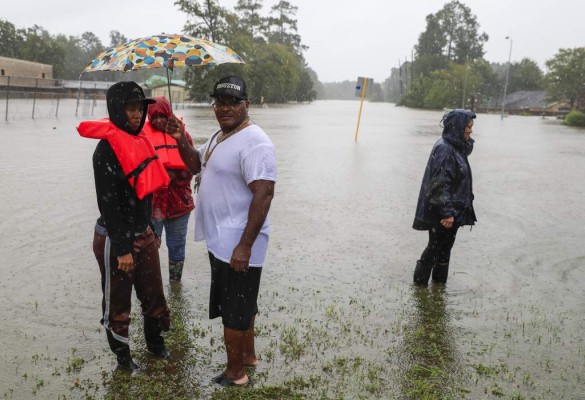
(339, 317)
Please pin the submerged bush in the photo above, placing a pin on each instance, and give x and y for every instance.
(575, 118)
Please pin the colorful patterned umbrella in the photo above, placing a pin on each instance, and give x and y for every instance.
(163, 51)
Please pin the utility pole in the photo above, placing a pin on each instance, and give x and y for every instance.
(412, 65)
(400, 76)
(507, 77)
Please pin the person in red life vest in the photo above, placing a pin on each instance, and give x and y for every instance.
(127, 172)
(171, 205)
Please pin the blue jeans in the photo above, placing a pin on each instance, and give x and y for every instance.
(176, 234)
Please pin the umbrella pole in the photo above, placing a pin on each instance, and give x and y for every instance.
(169, 86)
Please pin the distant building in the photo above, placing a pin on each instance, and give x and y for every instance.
(158, 87)
(532, 102)
(526, 100)
(23, 73)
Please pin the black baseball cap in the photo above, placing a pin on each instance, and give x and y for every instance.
(233, 86)
(136, 94)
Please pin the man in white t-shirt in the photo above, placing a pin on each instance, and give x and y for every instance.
(236, 175)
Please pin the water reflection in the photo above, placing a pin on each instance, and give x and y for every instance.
(430, 346)
(173, 377)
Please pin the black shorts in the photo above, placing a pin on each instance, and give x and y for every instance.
(233, 295)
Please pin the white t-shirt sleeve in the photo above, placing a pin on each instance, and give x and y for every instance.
(259, 164)
(201, 151)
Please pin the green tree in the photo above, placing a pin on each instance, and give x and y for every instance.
(427, 63)
(11, 39)
(465, 43)
(448, 88)
(430, 46)
(208, 18)
(91, 44)
(36, 45)
(283, 26)
(432, 41)
(566, 74)
(452, 33)
(575, 118)
(116, 38)
(525, 75)
(39, 46)
(275, 71)
(317, 85)
(248, 12)
(450, 45)
(275, 76)
(75, 58)
(491, 85)
(415, 96)
(451, 88)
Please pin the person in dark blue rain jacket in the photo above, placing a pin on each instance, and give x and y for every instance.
(445, 201)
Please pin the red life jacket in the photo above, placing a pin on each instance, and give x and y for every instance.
(165, 146)
(144, 171)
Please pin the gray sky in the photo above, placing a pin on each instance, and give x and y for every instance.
(363, 38)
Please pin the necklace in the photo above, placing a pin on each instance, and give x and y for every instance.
(224, 135)
(220, 138)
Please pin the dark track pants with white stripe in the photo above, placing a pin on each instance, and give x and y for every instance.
(117, 286)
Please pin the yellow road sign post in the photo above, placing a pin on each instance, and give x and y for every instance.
(360, 90)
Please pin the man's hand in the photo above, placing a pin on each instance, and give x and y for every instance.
(175, 128)
(126, 263)
(240, 261)
(447, 222)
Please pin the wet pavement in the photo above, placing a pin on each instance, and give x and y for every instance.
(339, 317)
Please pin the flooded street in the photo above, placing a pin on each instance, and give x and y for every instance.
(339, 316)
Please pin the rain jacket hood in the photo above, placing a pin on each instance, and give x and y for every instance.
(447, 186)
(162, 106)
(118, 96)
(454, 123)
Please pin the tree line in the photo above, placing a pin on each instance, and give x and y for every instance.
(67, 54)
(275, 68)
(448, 68)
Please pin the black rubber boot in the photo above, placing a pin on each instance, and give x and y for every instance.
(155, 343)
(422, 273)
(122, 352)
(175, 270)
(440, 273)
(125, 360)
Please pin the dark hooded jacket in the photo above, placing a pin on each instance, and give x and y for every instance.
(122, 213)
(447, 186)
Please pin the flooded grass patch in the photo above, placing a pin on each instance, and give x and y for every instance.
(423, 348)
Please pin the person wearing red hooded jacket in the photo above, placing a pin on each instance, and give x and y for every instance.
(171, 205)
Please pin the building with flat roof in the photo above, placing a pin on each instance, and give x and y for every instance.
(25, 73)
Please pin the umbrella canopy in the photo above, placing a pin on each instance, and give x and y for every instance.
(156, 52)
(163, 51)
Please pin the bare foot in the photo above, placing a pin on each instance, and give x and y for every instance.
(223, 380)
(242, 381)
(251, 362)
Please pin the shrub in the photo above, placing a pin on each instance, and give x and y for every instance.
(575, 118)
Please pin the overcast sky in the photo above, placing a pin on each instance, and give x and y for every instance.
(362, 38)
